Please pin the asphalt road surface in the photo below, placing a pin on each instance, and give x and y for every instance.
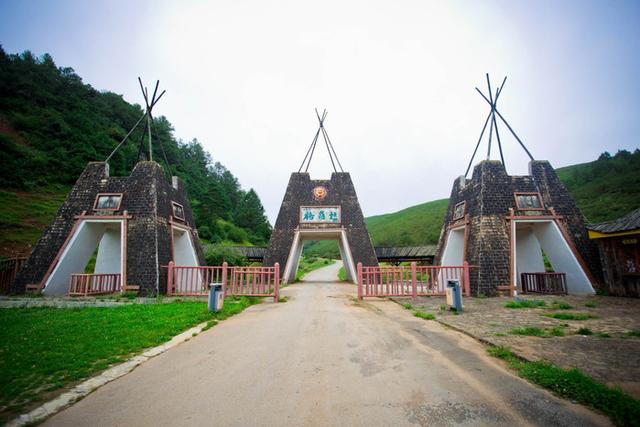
(324, 359)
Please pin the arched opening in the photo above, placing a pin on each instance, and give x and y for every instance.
(107, 236)
(535, 240)
(453, 253)
(301, 236)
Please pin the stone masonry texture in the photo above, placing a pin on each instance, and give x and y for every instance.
(147, 197)
(340, 192)
(489, 195)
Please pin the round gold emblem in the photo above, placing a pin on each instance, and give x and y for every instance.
(319, 193)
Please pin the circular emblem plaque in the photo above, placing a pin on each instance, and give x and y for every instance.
(319, 193)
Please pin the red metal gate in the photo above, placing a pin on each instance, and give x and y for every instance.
(249, 281)
(410, 281)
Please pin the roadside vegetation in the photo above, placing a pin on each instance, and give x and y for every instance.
(45, 349)
(308, 264)
(525, 303)
(573, 384)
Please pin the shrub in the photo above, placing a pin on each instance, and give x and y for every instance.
(585, 331)
(217, 254)
(634, 333)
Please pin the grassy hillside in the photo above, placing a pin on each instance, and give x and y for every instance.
(417, 225)
(414, 226)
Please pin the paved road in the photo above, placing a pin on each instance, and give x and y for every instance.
(322, 358)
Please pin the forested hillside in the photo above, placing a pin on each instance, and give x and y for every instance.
(52, 124)
(607, 188)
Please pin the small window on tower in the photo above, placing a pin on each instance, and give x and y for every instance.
(459, 210)
(107, 202)
(529, 201)
(178, 211)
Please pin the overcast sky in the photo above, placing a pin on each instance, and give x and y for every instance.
(397, 77)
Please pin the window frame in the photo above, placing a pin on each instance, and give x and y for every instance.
(117, 208)
(518, 207)
(173, 211)
(455, 208)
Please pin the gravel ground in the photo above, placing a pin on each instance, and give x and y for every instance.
(614, 360)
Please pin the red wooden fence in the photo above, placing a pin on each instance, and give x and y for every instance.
(248, 281)
(410, 281)
(8, 270)
(544, 283)
(94, 284)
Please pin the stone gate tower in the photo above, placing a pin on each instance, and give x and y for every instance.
(513, 229)
(132, 225)
(320, 210)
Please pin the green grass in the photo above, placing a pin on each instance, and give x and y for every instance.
(423, 315)
(590, 304)
(44, 349)
(342, 274)
(407, 306)
(24, 216)
(308, 264)
(571, 316)
(584, 331)
(416, 225)
(525, 303)
(634, 333)
(561, 305)
(573, 384)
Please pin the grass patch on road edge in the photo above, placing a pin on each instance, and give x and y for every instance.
(623, 409)
(423, 315)
(44, 349)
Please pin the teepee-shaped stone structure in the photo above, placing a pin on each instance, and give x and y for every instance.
(320, 210)
(506, 226)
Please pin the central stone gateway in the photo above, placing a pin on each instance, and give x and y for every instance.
(320, 210)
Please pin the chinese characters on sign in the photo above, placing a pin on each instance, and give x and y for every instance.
(320, 214)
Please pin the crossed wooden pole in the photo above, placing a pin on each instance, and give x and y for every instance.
(491, 118)
(147, 125)
(327, 143)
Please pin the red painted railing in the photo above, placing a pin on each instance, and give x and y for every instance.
(9, 268)
(248, 281)
(194, 281)
(544, 283)
(410, 281)
(255, 281)
(94, 284)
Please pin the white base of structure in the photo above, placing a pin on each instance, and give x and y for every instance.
(107, 235)
(340, 235)
(535, 236)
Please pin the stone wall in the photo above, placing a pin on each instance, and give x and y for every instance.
(340, 192)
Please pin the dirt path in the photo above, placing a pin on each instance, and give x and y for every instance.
(322, 358)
